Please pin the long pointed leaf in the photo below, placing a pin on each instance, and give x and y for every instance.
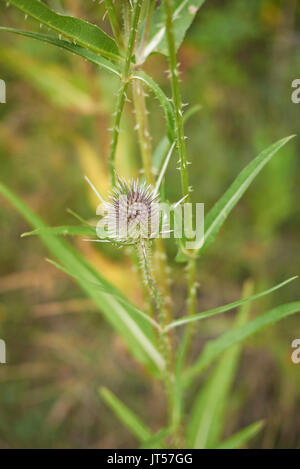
(184, 12)
(218, 214)
(81, 32)
(215, 347)
(240, 438)
(163, 170)
(157, 440)
(86, 230)
(127, 417)
(63, 231)
(222, 309)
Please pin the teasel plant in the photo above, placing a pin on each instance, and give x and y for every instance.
(139, 29)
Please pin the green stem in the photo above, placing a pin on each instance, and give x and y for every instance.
(191, 267)
(180, 139)
(122, 93)
(147, 298)
(143, 249)
(161, 273)
(114, 22)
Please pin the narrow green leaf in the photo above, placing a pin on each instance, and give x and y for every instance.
(78, 217)
(138, 334)
(86, 230)
(215, 347)
(63, 231)
(92, 57)
(81, 32)
(222, 309)
(156, 441)
(163, 170)
(160, 153)
(208, 415)
(164, 101)
(184, 12)
(190, 112)
(218, 214)
(240, 438)
(127, 417)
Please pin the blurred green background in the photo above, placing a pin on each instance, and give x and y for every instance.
(238, 62)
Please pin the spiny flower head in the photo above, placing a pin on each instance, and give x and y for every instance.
(131, 213)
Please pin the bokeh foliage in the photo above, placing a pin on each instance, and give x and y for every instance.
(238, 62)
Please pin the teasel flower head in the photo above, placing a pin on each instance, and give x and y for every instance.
(131, 213)
(131, 216)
